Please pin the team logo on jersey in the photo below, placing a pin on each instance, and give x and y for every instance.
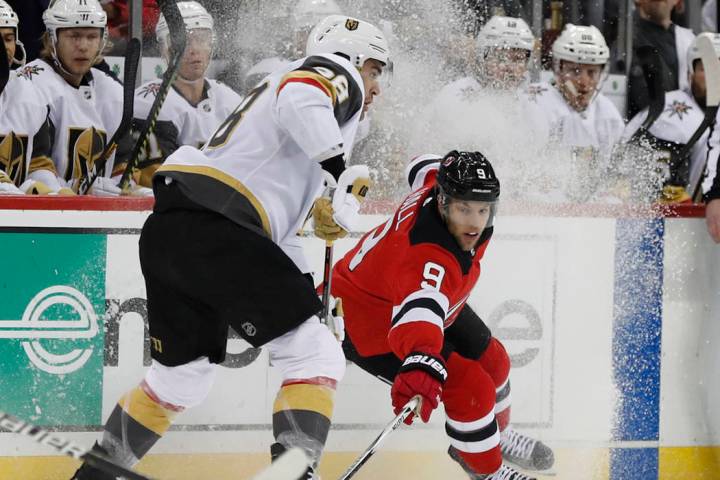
(150, 88)
(28, 71)
(534, 91)
(678, 108)
(351, 24)
(12, 156)
(86, 147)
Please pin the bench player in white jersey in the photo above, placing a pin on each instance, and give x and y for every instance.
(194, 107)
(10, 34)
(226, 218)
(683, 113)
(571, 111)
(58, 111)
(9, 25)
(457, 114)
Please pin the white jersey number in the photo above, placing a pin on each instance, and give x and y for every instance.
(433, 275)
(221, 136)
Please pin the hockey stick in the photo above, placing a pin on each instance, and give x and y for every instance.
(327, 284)
(4, 68)
(289, 466)
(652, 67)
(66, 447)
(711, 64)
(176, 25)
(132, 60)
(410, 407)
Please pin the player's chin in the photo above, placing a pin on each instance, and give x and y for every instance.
(469, 241)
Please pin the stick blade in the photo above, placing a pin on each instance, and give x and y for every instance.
(711, 64)
(289, 466)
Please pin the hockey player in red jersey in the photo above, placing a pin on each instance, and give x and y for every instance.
(404, 288)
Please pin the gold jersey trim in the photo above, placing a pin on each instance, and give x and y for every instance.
(228, 180)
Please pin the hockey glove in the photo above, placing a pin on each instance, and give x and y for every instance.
(36, 187)
(7, 187)
(674, 194)
(325, 226)
(352, 188)
(420, 374)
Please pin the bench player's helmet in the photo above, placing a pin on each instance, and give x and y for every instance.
(9, 19)
(74, 14)
(194, 15)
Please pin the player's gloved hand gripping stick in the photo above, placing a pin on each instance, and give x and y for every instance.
(335, 214)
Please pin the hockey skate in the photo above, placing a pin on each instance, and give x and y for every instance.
(277, 449)
(87, 472)
(525, 452)
(505, 472)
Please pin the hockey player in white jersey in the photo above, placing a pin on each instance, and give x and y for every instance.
(460, 112)
(10, 34)
(194, 107)
(57, 112)
(682, 115)
(226, 218)
(571, 111)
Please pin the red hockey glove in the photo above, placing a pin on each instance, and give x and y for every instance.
(420, 374)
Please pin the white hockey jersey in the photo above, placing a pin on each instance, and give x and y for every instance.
(179, 122)
(599, 126)
(261, 168)
(466, 115)
(62, 129)
(677, 123)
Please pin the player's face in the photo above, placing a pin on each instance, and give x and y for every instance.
(371, 72)
(697, 83)
(466, 220)
(77, 48)
(578, 83)
(8, 38)
(505, 68)
(656, 10)
(197, 55)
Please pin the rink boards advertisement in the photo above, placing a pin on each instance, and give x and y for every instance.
(608, 322)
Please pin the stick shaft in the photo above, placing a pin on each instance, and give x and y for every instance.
(391, 427)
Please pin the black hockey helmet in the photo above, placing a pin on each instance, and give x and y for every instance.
(468, 176)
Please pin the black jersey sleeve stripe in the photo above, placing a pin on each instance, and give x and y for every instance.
(348, 103)
(427, 303)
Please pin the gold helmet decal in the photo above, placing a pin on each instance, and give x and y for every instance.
(87, 149)
(12, 157)
(351, 24)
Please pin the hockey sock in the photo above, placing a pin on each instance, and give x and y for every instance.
(302, 413)
(496, 362)
(469, 399)
(137, 422)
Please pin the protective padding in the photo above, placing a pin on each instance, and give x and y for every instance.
(182, 386)
(306, 352)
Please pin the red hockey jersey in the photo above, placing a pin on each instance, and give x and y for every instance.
(407, 279)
